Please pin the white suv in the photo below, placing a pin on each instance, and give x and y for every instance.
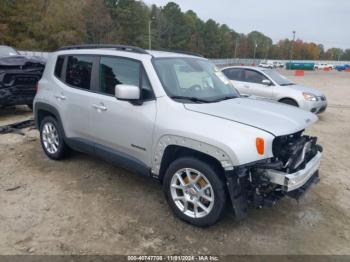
(175, 117)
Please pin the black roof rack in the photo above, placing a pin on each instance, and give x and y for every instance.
(127, 48)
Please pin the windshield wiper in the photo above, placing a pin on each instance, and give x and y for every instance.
(288, 84)
(224, 98)
(191, 98)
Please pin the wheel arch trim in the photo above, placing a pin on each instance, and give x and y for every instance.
(40, 106)
(289, 98)
(169, 140)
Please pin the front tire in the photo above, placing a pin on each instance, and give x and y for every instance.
(194, 191)
(51, 138)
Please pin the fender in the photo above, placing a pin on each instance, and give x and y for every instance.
(205, 148)
(77, 144)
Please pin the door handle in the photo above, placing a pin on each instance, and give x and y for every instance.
(99, 107)
(60, 97)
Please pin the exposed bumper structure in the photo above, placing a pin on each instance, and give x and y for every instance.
(295, 180)
(291, 173)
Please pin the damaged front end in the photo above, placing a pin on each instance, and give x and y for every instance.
(292, 170)
(18, 78)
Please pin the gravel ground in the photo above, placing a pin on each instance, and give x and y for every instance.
(83, 205)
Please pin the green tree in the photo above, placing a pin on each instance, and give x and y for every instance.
(211, 39)
(130, 21)
(227, 37)
(174, 30)
(346, 55)
(98, 21)
(262, 42)
(195, 42)
(49, 24)
(334, 54)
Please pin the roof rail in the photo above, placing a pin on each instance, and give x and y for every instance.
(127, 48)
(182, 52)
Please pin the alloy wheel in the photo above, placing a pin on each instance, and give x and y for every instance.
(192, 192)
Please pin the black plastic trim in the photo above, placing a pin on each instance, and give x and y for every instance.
(121, 159)
(45, 107)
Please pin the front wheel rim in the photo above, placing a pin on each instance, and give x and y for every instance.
(192, 193)
(50, 138)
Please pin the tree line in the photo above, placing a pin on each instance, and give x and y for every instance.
(49, 24)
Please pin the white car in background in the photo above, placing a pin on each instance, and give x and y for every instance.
(323, 66)
(267, 64)
(278, 64)
(268, 84)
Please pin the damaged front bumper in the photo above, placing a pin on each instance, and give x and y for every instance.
(295, 180)
(290, 173)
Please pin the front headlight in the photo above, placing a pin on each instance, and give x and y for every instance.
(309, 97)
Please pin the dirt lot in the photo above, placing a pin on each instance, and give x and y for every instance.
(85, 206)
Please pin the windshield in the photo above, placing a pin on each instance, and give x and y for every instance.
(194, 79)
(7, 51)
(278, 78)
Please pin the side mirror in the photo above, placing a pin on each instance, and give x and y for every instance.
(128, 93)
(266, 82)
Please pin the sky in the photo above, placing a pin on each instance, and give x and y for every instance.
(324, 22)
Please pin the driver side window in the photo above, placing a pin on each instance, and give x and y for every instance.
(252, 76)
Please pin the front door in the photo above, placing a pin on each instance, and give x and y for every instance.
(253, 84)
(120, 126)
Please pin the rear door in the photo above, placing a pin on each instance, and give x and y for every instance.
(253, 84)
(74, 97)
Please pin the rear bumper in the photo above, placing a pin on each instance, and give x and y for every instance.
(298, 179)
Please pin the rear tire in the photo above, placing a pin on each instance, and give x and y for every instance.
(194, 191)
(289, 101)
(51, 137)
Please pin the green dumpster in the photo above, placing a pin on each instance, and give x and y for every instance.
(300, 66)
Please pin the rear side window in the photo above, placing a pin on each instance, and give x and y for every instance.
(233, 74)
(115, 71)
(78, 73)
(59, 66)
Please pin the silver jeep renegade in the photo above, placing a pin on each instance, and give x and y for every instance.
(175, 117)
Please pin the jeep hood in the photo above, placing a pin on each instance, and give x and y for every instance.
(272, 117)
